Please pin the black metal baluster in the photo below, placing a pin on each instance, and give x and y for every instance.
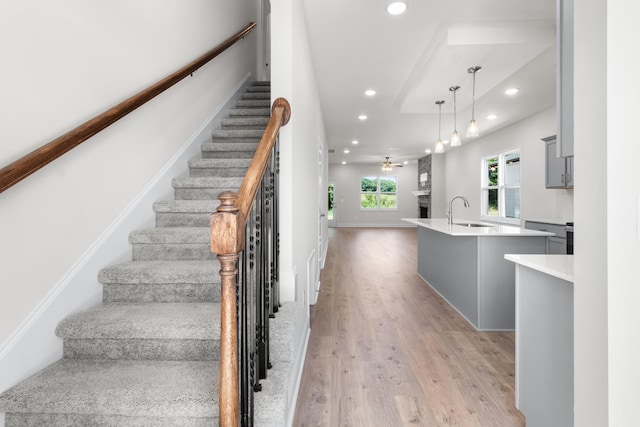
(275, 293)
(258, 288)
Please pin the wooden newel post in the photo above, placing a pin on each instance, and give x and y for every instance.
(227, 240)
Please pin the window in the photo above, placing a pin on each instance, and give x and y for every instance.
(501, 187)
(378, 192)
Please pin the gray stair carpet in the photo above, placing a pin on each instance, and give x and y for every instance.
(148, 355)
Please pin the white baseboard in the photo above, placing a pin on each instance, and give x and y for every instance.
(302, 356)
(33, 345)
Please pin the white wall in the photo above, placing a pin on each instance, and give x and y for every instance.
(348, 211)
(606, 293)
(623, 211)
(592, 244)
(67, 61)
(293, 78)
(463, 172)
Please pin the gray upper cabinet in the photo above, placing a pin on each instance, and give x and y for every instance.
(564, 79)
(558, 170)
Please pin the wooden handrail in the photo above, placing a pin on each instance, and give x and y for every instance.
(30, 163)
(227, 240)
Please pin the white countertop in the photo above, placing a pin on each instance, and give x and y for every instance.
(495, 230)
(560, 266)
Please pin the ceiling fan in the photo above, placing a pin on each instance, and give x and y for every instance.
(386, 165)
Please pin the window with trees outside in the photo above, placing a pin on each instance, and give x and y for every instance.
(378, 192)
(501, 187)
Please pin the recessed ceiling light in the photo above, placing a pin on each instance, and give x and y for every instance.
(394, 148)
(492, 117)
(370, 92)
(354, 142)
(344, 163)
(512, 91)
(362, 117)
(396, 7)
(445, 141)
(406, 162)
(428, 151)
(346, 151)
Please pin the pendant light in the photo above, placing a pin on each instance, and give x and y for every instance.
(439, 144)
(472, 130)
(455, 136)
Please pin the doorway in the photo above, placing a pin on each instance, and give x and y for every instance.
(332, 218)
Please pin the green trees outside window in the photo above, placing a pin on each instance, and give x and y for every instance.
(501, 186)
(378, 192)
(330, 197)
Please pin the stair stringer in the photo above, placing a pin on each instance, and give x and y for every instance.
(33, 345)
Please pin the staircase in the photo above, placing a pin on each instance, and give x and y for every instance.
(148, 354)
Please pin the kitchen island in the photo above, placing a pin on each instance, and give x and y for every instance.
(544, 338)
(465, 264)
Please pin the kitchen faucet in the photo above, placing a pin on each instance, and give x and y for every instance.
(450, 212)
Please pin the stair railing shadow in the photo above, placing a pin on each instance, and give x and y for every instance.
(244, 235)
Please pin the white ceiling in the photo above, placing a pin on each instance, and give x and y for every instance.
(412, 59)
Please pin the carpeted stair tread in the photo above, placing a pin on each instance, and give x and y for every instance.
(161, 272)
(228, 151)
(162, 281)
(230, 144)
(207, 182)
(171, 243)
(264, 112)
(187, 321)
(185, 213)
(220, 163)
(183, 219)
(186, 206)
(218, 167)
(109, 390)
(256, 95)
(253, 103)
(259, 88)
(170, 235)
(245, 121)
(204, 188)
(237, 133)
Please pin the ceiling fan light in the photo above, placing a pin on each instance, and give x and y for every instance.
(455, 139)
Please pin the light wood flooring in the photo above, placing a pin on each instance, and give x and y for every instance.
(386, 350)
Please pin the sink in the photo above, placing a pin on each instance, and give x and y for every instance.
(473, 224)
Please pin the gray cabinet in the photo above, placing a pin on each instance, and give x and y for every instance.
(555, 244)
(564, 78)
(558, 170)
